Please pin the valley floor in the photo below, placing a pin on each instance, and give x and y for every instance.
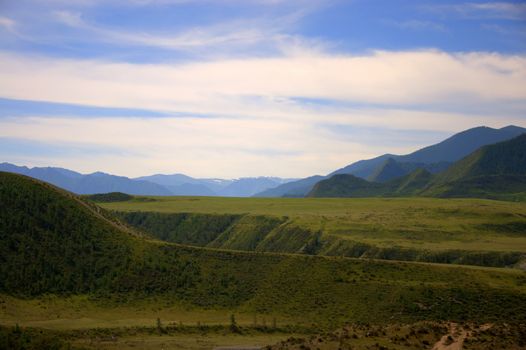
(92, 324)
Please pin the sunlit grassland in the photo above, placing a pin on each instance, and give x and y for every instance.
(421, 223)
(77, 312)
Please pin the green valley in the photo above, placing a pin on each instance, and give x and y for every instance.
(75, 254)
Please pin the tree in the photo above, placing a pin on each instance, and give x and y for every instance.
(233, 324)
(159, 326)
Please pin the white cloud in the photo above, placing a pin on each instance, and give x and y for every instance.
(225, 146)
(218, 147)
(502, 10)
(7, 23)
(70, 18)
(256, 120)
(222, 37)
(227, 86)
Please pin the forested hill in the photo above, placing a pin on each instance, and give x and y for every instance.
(53, 241)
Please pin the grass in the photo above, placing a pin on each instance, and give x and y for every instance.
(101, 324)
(169, 337)
(81, 312)
(419, 335)
(54, 243)
(415, 224)
(183, 341)
(69, 267)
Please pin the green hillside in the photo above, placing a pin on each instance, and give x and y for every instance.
(410, 184)
(350, 186)
(507, 157)
(346, 185)
(496, 171)
(53, 242)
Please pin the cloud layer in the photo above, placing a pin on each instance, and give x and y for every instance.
(262, 87)
(243, 87)
(254, 119)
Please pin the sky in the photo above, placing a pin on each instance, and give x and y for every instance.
(237, 88)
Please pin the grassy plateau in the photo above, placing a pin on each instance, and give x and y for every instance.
(466, 231)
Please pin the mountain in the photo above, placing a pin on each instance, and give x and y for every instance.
(298, 188)
(191, 189)
(392, 169)
(183, 185)
(410, 184)
(492, 171)
(364, 168)
(350, 186)
(60, 177)
(168, 180)
(248, 186)
(180, 184)
(460, 145)
(434, 159)
(103, 183)
(450, 150)
(495, 171)
(383, 169)
(154, 185)
(88, 184)
(346, 185)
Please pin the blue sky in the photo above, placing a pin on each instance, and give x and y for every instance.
(232, 88)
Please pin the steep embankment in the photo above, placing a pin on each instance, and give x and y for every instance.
(53, 242)
(265, 233)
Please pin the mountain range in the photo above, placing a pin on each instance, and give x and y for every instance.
(155, 185)
(435, 159)
(494, 171)
(386, 169)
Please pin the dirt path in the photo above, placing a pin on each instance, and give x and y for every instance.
(453, 340)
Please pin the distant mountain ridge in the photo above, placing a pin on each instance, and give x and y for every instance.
(495, 171)
(292, 189)
(97, 182)
(155, 185)
(434, 158)
(383, 169)
(180, 184)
